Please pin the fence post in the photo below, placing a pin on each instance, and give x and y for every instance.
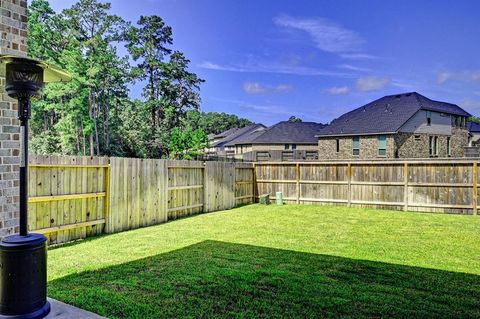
(405, 186)
(205, 196)
(254, 183)
(474, 197)
(349, 186)
(106, 212)
(298, 182)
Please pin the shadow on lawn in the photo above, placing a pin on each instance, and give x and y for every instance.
(218, 279)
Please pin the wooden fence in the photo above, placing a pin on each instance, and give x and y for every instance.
(429, 186)
(68, 196)
(76, 197)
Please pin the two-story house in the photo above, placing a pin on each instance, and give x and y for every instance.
(406, 125)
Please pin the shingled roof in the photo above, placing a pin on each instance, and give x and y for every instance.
(246, 138)
(237, 133)
(386, 115)
(225, 133)
(473, 127)
(290, 132)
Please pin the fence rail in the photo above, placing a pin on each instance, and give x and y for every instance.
(417, 185)
(77, 197)
(72, 197)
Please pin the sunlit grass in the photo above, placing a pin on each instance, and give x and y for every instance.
(389, 263)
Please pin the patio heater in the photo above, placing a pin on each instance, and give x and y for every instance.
(23, 257)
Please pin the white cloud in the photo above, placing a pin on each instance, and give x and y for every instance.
(443, 77)
(328, 36)
(358, 56)
(257, 88)
(338, 90)
(476, 76)
(283, 88)
(353, 68)
(212, 66)
(254, 88)
(267, 67)
(371, 83)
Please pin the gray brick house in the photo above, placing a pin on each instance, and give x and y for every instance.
(406, 125)
(217, 144)
(13, 18)
(284, 141)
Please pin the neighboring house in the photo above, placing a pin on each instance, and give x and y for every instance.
(397, 126)
(474, 130)
(217, 146)
(242, 144)
(213, 139)
(281, 142)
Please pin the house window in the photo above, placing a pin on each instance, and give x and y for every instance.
(449, 147)
(417, 137)
(429, 118)
(356, 146)
(294, 146)
(338, 144)
(382, 145)
(287, 146)
(433, 145)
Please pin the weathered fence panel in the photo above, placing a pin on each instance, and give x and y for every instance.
(68, 196)
(137, 193)
(428, 186)
(244, 184)
(76, 197)
(219, 186)
(186, 188)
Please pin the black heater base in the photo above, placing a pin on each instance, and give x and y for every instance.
(23, 277)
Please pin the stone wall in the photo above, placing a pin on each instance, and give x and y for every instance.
(412, 145)
(13, 28)
(368, 148)
(407, 145)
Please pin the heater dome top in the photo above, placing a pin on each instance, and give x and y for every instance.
(51, 73)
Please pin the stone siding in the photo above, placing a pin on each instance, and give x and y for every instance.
(13, 27)
(400, 145)
(412, 145)
(368, 148)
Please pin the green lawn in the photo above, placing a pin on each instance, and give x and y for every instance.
(270, 261)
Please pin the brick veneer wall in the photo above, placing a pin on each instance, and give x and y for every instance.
(405, 144)
(13, 28)
(327, 148)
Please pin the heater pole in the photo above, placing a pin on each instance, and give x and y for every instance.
(23, 116)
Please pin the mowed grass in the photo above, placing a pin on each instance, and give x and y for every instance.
(278, 262)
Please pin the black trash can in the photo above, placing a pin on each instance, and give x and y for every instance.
(23, 277)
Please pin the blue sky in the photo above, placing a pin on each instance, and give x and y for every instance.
(267, 60)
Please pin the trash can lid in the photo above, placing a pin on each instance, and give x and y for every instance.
(15, 241)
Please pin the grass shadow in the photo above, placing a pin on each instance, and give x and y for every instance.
(224, 280)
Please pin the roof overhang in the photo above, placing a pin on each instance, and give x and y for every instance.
(355, 134)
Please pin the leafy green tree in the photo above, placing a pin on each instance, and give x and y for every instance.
(171, 90)
(93, 114)
(214, 122)
(187, 143)
(82, 40)
(294, 119)
(474, 119)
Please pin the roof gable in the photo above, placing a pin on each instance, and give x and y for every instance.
(290, 132)
(386, 115)
(237, 133)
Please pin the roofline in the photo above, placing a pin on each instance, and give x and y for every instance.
(270, 143)
(352, 134)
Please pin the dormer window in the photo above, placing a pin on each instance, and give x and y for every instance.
(429, 118)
